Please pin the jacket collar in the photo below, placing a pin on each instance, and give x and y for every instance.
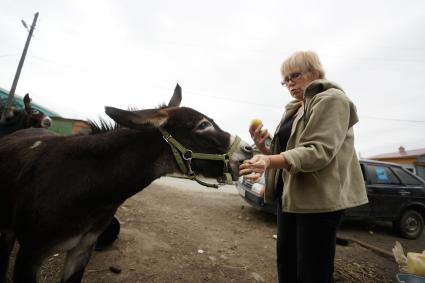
(315, 87)
(291, 108)
(318, 86)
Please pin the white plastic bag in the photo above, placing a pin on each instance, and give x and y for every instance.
(414, 263)
(399, 257)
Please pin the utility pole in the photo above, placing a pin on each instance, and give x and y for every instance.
(8, 109)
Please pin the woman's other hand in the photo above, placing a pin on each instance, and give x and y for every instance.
(253, 169)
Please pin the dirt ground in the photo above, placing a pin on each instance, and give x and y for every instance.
(177, 231)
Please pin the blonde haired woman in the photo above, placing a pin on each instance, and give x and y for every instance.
(311, 169)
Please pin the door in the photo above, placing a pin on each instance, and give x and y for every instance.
(385, 191)
(414, 187)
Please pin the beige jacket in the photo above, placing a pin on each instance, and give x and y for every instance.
(324, 173)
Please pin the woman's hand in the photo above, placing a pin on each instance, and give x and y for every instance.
(253, 169)
(259, 136)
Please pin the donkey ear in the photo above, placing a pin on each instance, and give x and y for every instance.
(27, 103)
(136, 119)
(177, 97)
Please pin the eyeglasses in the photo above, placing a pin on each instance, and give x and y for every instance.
(293, 77)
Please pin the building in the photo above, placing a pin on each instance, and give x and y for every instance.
(413, 160)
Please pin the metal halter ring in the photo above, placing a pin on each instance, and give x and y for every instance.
(187, 155)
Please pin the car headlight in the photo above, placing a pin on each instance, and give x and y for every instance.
(258, 189)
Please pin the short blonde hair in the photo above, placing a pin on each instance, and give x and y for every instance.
(302, 61)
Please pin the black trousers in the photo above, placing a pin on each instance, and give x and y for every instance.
(306, 246)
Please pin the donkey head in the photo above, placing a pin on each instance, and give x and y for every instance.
(18, 119)
(192, 129)
(34, 117)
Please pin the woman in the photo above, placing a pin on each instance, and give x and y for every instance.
(311, 169)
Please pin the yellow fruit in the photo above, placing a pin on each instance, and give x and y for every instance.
(255, 124)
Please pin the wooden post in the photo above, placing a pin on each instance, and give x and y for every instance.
(7, 112)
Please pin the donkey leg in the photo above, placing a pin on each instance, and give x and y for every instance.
(77, 259)
(27, 265)
(7, 241)
(109, 235)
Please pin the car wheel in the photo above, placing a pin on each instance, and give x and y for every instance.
(410, 225)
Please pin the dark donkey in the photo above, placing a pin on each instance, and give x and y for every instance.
(22, 119)
(59, 193)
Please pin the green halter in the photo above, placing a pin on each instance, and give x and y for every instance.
(184, 157)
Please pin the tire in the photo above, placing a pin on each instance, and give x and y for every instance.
(410, 225)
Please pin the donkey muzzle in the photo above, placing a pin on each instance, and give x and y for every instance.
(46, 122)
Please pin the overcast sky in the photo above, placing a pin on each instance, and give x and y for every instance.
(226, 56)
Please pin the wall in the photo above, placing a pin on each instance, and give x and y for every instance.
(420, 166)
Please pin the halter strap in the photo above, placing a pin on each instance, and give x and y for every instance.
(184, 157)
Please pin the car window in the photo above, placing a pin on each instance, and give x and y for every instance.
(382, 175)
(406, 178)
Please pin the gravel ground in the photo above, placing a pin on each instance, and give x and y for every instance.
(178, 231)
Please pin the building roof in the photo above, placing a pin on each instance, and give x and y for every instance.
(402, 153)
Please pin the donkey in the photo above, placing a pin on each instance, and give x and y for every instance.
(22, 119)
(59, 193)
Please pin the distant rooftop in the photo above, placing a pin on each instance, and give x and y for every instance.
(401, 153)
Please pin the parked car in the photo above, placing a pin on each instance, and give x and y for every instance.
(395, 194)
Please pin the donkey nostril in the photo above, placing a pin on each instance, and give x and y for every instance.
(247, 148)
(46, 122)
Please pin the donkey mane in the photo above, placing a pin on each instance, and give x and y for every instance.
(162, 106)
(102, 126)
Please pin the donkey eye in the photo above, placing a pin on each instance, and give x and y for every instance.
(35, 112)
(203, 125)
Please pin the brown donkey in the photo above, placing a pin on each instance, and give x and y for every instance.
(59, 193)
(23, 119)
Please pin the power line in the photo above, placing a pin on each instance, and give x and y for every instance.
(45, 60)
(9, 55)
(234, 99)
(392, 119)
(383, 59)
(56, 63)
(281, 107)
(268, 50)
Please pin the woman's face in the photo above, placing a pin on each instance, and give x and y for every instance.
(297, 81)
